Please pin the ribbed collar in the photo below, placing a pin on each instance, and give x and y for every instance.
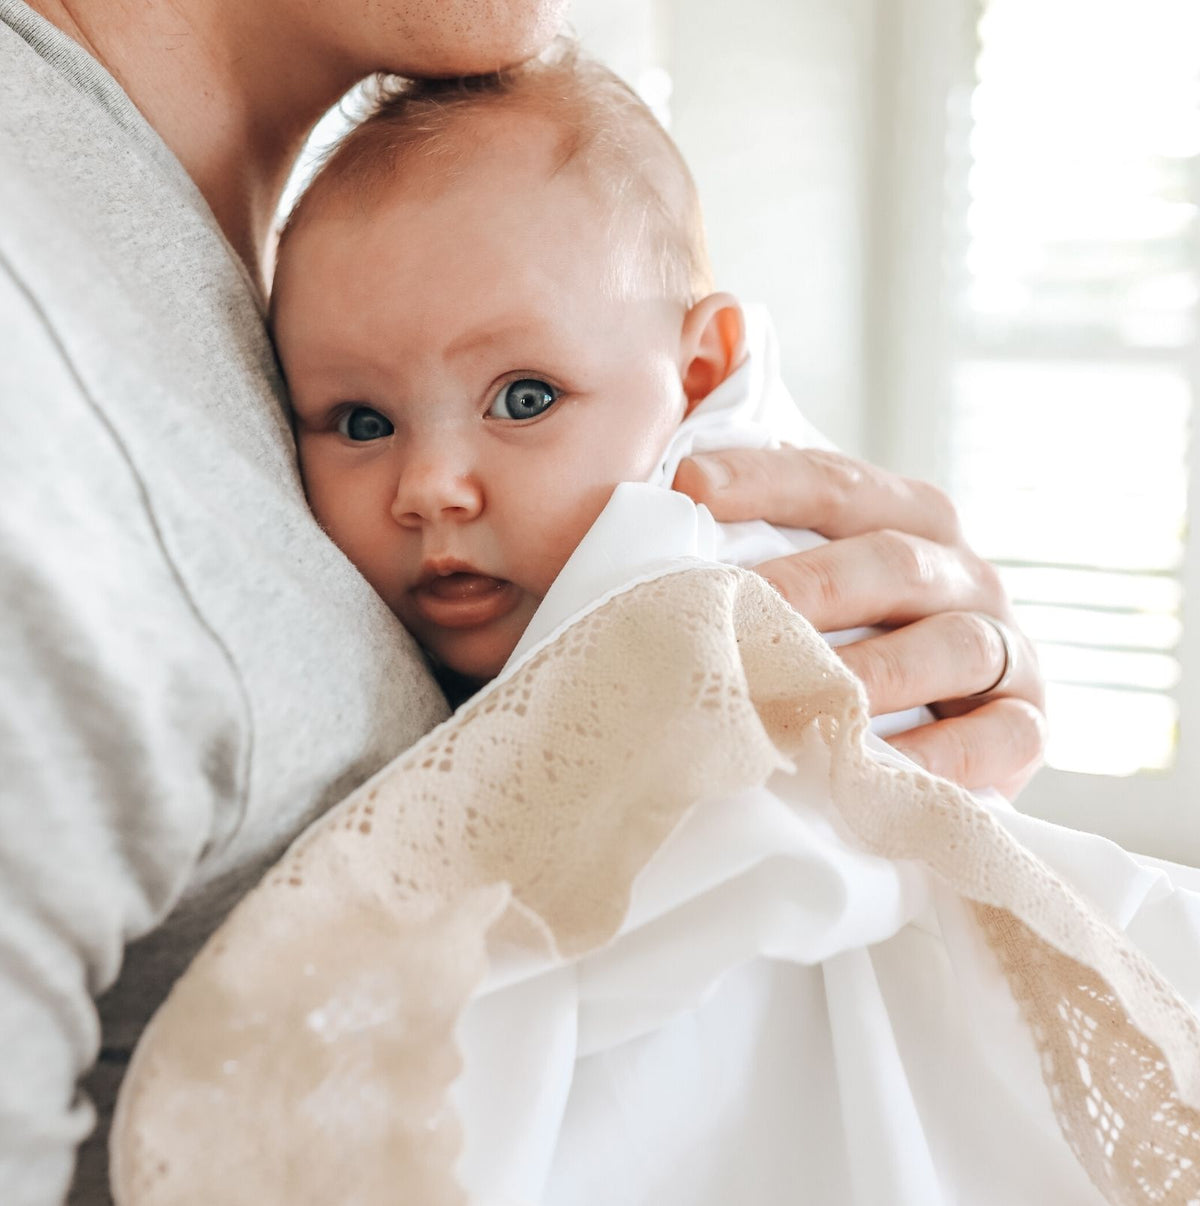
(89, 78)
(86, 76)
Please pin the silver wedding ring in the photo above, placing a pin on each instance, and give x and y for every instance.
(1008, 669)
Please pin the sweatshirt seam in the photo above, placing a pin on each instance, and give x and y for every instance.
(86, 76)
(241, 796)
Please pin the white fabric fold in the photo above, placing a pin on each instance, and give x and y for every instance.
(746, 888)
(701, 986)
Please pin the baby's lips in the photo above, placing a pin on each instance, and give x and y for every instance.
(461, 585)
(464, 600)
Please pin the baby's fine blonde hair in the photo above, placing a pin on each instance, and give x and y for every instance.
(639, 176)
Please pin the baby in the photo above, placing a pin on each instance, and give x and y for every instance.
(642, 922)
(472, 377)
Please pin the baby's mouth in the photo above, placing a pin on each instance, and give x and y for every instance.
(463, 599)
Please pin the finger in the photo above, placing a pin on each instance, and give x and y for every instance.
(1000, 744)
(833, 494)
(883, 577)
(952, 656)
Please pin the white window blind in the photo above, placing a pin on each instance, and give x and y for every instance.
(1073, 352)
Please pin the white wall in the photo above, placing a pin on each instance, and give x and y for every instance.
(770, 104)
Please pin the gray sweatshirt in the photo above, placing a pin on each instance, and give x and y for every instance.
(190, 671)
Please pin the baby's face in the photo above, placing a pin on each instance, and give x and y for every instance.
(470, 384)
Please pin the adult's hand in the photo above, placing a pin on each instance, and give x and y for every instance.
(896, 558)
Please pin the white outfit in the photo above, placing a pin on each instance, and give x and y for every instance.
(783, 1018)
(634, 876)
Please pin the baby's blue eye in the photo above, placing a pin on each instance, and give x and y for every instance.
(363, 424)
(524, 399)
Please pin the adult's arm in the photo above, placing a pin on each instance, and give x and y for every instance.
(896, 558)
(118, 723)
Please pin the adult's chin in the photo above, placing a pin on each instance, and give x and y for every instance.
(441, 38)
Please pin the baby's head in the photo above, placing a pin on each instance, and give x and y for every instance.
(492, 305)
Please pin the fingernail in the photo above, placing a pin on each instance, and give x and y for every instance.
(713, 470)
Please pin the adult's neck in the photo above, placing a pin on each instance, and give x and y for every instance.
(233, 89)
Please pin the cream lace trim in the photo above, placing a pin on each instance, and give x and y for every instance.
(307, 1054)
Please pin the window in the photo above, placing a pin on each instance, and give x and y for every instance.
(1074, 290)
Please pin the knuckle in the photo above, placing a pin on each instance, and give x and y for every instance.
(902, 556)
(810, 582)
(883, 672)
(977, 645)
(841, 479)
(990, 745)
(938, 506)
(813, 586)
(992, 588)
(1026, 725)
(836, 466)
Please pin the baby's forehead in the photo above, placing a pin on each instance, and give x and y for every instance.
(583, 115)
(531, 143)
(598, 146)
(483, 142)
(505, 200)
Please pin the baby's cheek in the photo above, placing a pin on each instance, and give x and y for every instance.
(364, 538)
(560, 537)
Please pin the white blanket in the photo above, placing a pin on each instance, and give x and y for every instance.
(783, 1017)
(648, 899)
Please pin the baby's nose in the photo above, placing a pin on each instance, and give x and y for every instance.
(436, 491)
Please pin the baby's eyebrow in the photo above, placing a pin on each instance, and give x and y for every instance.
(485, 337)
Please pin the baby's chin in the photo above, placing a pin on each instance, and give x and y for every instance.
(457, 688)
(462, 671)
(474, 653)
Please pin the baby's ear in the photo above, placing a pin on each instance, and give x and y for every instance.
(712, 344)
